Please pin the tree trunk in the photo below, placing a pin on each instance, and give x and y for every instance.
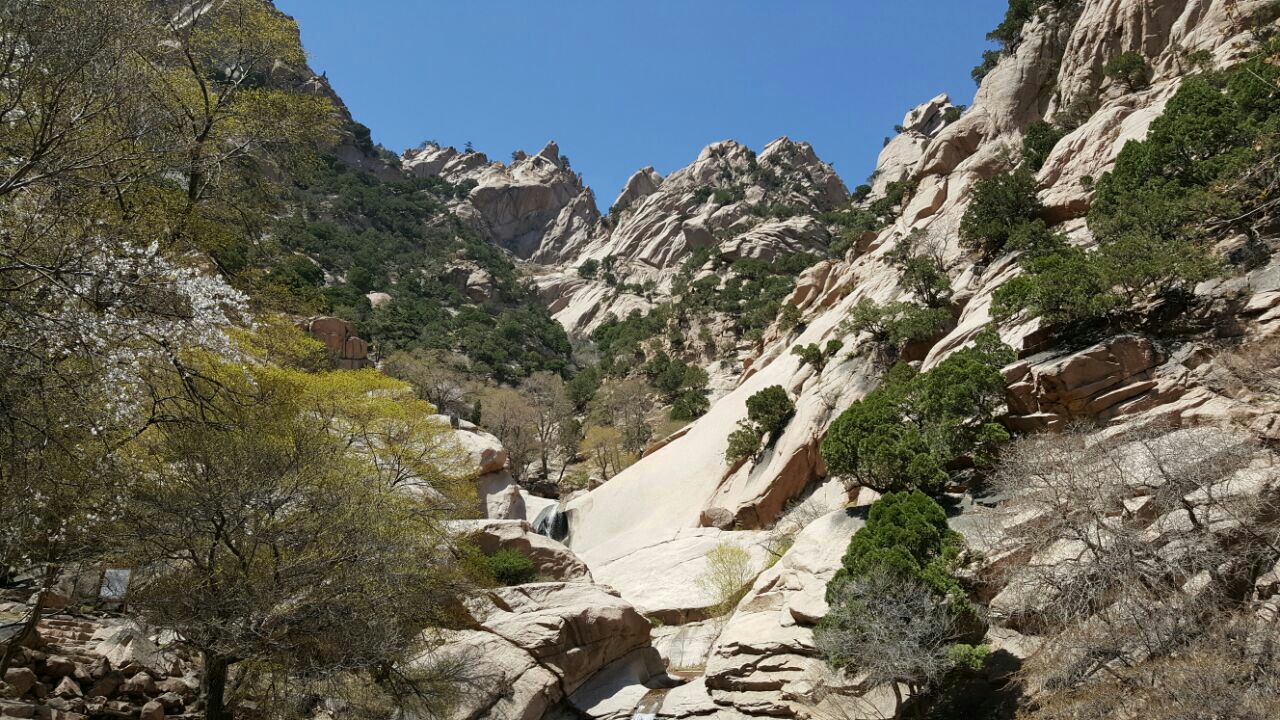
(213, 686)
(897, 699)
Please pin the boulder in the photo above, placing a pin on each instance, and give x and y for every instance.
(20, 680)
(129, 645)
(552, 560)
(153, 710)
(574, 629)
(484, 451)
(661, 579)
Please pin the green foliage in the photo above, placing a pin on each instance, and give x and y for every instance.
(990, 58)
(767, 413)
(1196, 178)
(1009, 32)
(895, 324)
(817, 356)
(589, 268)
(971, 658)
(788, 317)
(906, 535)
(510, 567)
(1130, 69)
(582, 387)
(770, 409)
(913, 428)
(921, 273)
(1038, 142)
(999, 205)
(399, 238)
(744, 442)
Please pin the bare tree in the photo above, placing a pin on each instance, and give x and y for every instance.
(1229, 673)
(1125, 547)
(511, 417)
(434, 379)
(892, 630)
(551, 409)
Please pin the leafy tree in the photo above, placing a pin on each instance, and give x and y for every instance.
(895, 324)
(128, 151)
(913, 428)
(582, 387)
(770, 409)
(589, 268)
(1130, 69)
(817, 356)
(999, 205)
(1038, 143)
(744, 442)
(510, 567)
(271, 510)
(896, 607)
(919, 264)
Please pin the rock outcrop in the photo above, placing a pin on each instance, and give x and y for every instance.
(535, 646)
(536, 207)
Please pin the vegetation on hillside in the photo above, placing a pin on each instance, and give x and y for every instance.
(898, 614)
(1202, 174)
(264, 493)
(917, 428)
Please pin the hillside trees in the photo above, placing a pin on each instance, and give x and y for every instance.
(1199, 175)
(292, 520)
(915, 427)
(897, 611)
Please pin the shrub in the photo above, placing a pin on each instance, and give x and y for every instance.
(990, 58)
(906, 536)
(910, 430)
(1038, 142)
(744, 442)
(727, 577)
(1129, 69)
(691, 405)
(897, 323)
(589, 268)
(817, 356)
(770, 409)
(999, 205)
(789, 317)
(510, 567)
(922, 272)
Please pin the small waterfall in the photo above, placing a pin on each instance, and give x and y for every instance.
(552, 522)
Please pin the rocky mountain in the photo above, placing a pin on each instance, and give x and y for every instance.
(647, 531)
(1094, 239)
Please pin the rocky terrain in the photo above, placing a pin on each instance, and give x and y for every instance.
(617, 624)
(682, 498)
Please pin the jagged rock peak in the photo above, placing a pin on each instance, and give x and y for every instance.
(551, 152)
(642, 184)
(928, 117)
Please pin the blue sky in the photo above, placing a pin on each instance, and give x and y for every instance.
(621, 85)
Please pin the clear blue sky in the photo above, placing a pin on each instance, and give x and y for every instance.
(621, 85)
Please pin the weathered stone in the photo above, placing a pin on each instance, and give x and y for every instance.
(550, 558)
(20, 680)
(153, 710)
